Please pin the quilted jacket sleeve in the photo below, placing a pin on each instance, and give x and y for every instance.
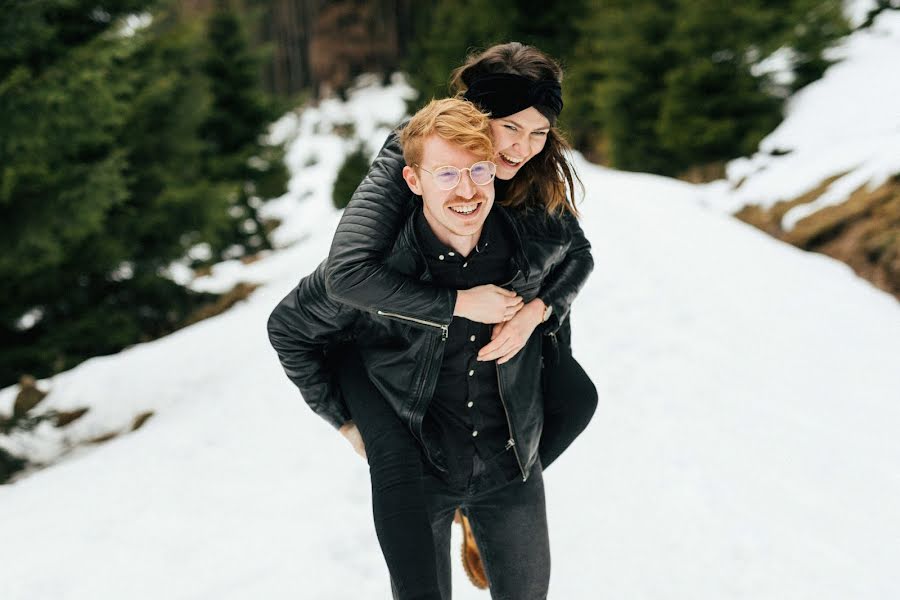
(300, 329)
(357, 273)
(564, 282)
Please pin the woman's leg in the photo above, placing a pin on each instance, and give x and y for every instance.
(570, 397)
(402, 522)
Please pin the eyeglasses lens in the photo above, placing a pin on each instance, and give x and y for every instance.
(447, 178)
(482, 172)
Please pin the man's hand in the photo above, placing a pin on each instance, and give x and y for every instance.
(351, 432)
(510, 337)
(487, 304)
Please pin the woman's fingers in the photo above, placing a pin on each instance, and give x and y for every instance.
(501, 346)
(493, 349)
(508, 355)
(505, 292)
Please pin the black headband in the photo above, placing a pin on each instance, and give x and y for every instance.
(504, 94)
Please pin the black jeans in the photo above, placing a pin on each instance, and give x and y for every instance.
(570, 397)
(509, 521)
(402, 520)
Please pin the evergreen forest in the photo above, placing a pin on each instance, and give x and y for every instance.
(132, 131)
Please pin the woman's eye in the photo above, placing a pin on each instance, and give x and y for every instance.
(542, 133)
(510, 127)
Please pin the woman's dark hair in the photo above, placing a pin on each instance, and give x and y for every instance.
(547, 178)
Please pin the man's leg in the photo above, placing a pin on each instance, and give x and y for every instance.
(510, 525)
(442, 505)
(399, 507)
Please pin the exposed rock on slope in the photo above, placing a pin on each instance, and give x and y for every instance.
(863, 232)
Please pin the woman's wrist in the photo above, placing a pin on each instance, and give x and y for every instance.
(461, 305)
(536, 309)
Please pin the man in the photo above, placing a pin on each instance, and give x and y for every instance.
(477, 423)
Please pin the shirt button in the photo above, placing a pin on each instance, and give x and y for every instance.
(471, 338)
(441, 257)
(451, 254)
(465, 264)
(475, 433)
(470, 404)
(471, 372)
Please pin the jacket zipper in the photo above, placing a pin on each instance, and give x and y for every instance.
(419, 433)
(555, 345)
(445, 333)
(512, 442)
(445, 329)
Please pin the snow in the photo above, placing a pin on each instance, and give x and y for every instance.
(847, 124)
(744, 447)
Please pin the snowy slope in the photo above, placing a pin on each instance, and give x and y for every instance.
(745, 444)
(847, 124)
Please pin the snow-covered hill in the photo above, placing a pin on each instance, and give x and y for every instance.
(745, 444)
(847, 124)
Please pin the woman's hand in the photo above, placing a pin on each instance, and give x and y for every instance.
(351, 432)
(487, 304)
(510, 337)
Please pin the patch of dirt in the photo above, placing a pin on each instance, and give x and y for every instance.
(239, 292)
(863, 232)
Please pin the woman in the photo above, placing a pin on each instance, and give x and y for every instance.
(519, 86)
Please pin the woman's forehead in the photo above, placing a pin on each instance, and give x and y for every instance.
(529, 118)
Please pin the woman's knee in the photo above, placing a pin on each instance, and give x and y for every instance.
(570, 391)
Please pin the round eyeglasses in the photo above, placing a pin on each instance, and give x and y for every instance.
(447, 178)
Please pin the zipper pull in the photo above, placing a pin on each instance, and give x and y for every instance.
(510, 443)
(445, 332)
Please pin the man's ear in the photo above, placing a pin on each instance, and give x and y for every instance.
(412, 180)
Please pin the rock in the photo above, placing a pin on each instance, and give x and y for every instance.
(28, 397)
(9, 465)
(141, 419)
(863, 231)
(61, 419)
(103, 438)
(239, 292)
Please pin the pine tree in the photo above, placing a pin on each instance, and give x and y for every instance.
(62, 104)
(107, 177)
(449, 31)
(239, 113)
(349, 176)
(713, 106)
(636, 57)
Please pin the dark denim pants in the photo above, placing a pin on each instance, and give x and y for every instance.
(509, 521)
(397, 475)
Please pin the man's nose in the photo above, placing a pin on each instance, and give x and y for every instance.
(466, 187)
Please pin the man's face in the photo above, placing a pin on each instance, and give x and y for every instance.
(457, 213)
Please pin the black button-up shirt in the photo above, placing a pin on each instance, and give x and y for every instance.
(466, 415)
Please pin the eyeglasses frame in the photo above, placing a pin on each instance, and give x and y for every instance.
(460, 172)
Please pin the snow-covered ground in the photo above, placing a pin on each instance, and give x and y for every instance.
(847, 124)
(745, 445)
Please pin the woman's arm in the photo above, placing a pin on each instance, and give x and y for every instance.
(558, 291)
(356, 273)
(566, 279)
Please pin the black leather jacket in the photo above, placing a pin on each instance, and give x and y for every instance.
(357, 272)
(402, 351)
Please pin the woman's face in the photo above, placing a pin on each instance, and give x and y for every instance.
(517, 138)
